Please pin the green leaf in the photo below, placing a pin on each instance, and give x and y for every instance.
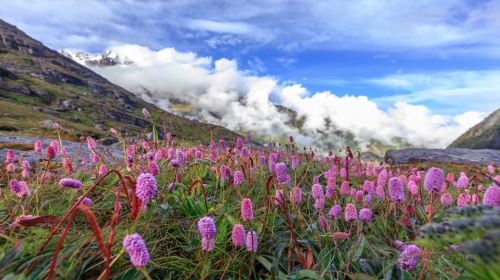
(359, 249)
(276, 258)
(308, 274)
(268, 266)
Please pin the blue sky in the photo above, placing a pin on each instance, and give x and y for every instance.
(443, 55)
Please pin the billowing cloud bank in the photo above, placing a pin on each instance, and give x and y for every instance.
(223, 94)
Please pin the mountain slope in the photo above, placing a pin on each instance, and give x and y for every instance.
(39, 86)
(484, 135)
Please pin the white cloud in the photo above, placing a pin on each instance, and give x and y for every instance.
(223, 94)
(459, 90)
(441, 27)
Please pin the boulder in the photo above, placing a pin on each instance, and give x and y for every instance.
(449, 155)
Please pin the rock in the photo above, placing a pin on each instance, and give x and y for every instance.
(47, 123)
(99, 126)
(161, 135)
(68, 103)
(449, 155)
(109, 141)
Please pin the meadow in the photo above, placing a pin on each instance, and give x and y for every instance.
(165, 209)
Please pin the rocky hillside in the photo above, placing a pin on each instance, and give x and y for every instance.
(484, 135)
(39, 86)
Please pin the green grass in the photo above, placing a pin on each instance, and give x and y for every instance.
(169, 229)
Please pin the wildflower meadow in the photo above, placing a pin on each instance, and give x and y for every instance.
(167, 209)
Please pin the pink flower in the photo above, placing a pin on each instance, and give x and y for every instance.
(246, 210)
(492, 196)
(344, 188)
(146, 113)
(102, 169)
(382, 178)
(252, 241)
(86, 201)
(463, 199)
(396, 190)
(450, 177)
(55, 145)
(413, 187)
(330, 188)
(145, 187)
(491, 169)
(335, 211)
(19, 188)
(25, 173)
(10, 168)
(238, 236)
(295, 195)
(319, 204)
(462, 182)
(409, 258)
(343, 173)
(68, 165)
(317, 191)
(70, 183)
(434, 179)
(38, 146)
(446, 199)
(369, 187)
(351, 214)
(380, 192)
(278, 197)
(323, 223)
(94, 158)
(10, 156)
(400, 245)
(153, 168)
(206, 227)
(359, 196)
(281, 173)
(239, 143)
(238, 178)
(339, 235)
(136, 248)
(368, 198)
(50, 152)
(365, 215)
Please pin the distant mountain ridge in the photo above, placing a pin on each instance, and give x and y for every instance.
(39, 86)
(484, 135)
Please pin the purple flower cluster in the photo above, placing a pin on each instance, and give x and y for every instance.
(238, 178)
(70, 183)
(246, 210)
(492, 196)
(19, 188)
(206, 227)
(136, 248)
(335, 211)
(365, 215)
(351, 214)
(434, 179)
(238, 235)
(146, 188)
(409, 258)
(282, 173)
(252, 241)
(396, 189)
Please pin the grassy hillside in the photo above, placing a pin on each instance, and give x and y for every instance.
(39, 85)
(484, 135)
